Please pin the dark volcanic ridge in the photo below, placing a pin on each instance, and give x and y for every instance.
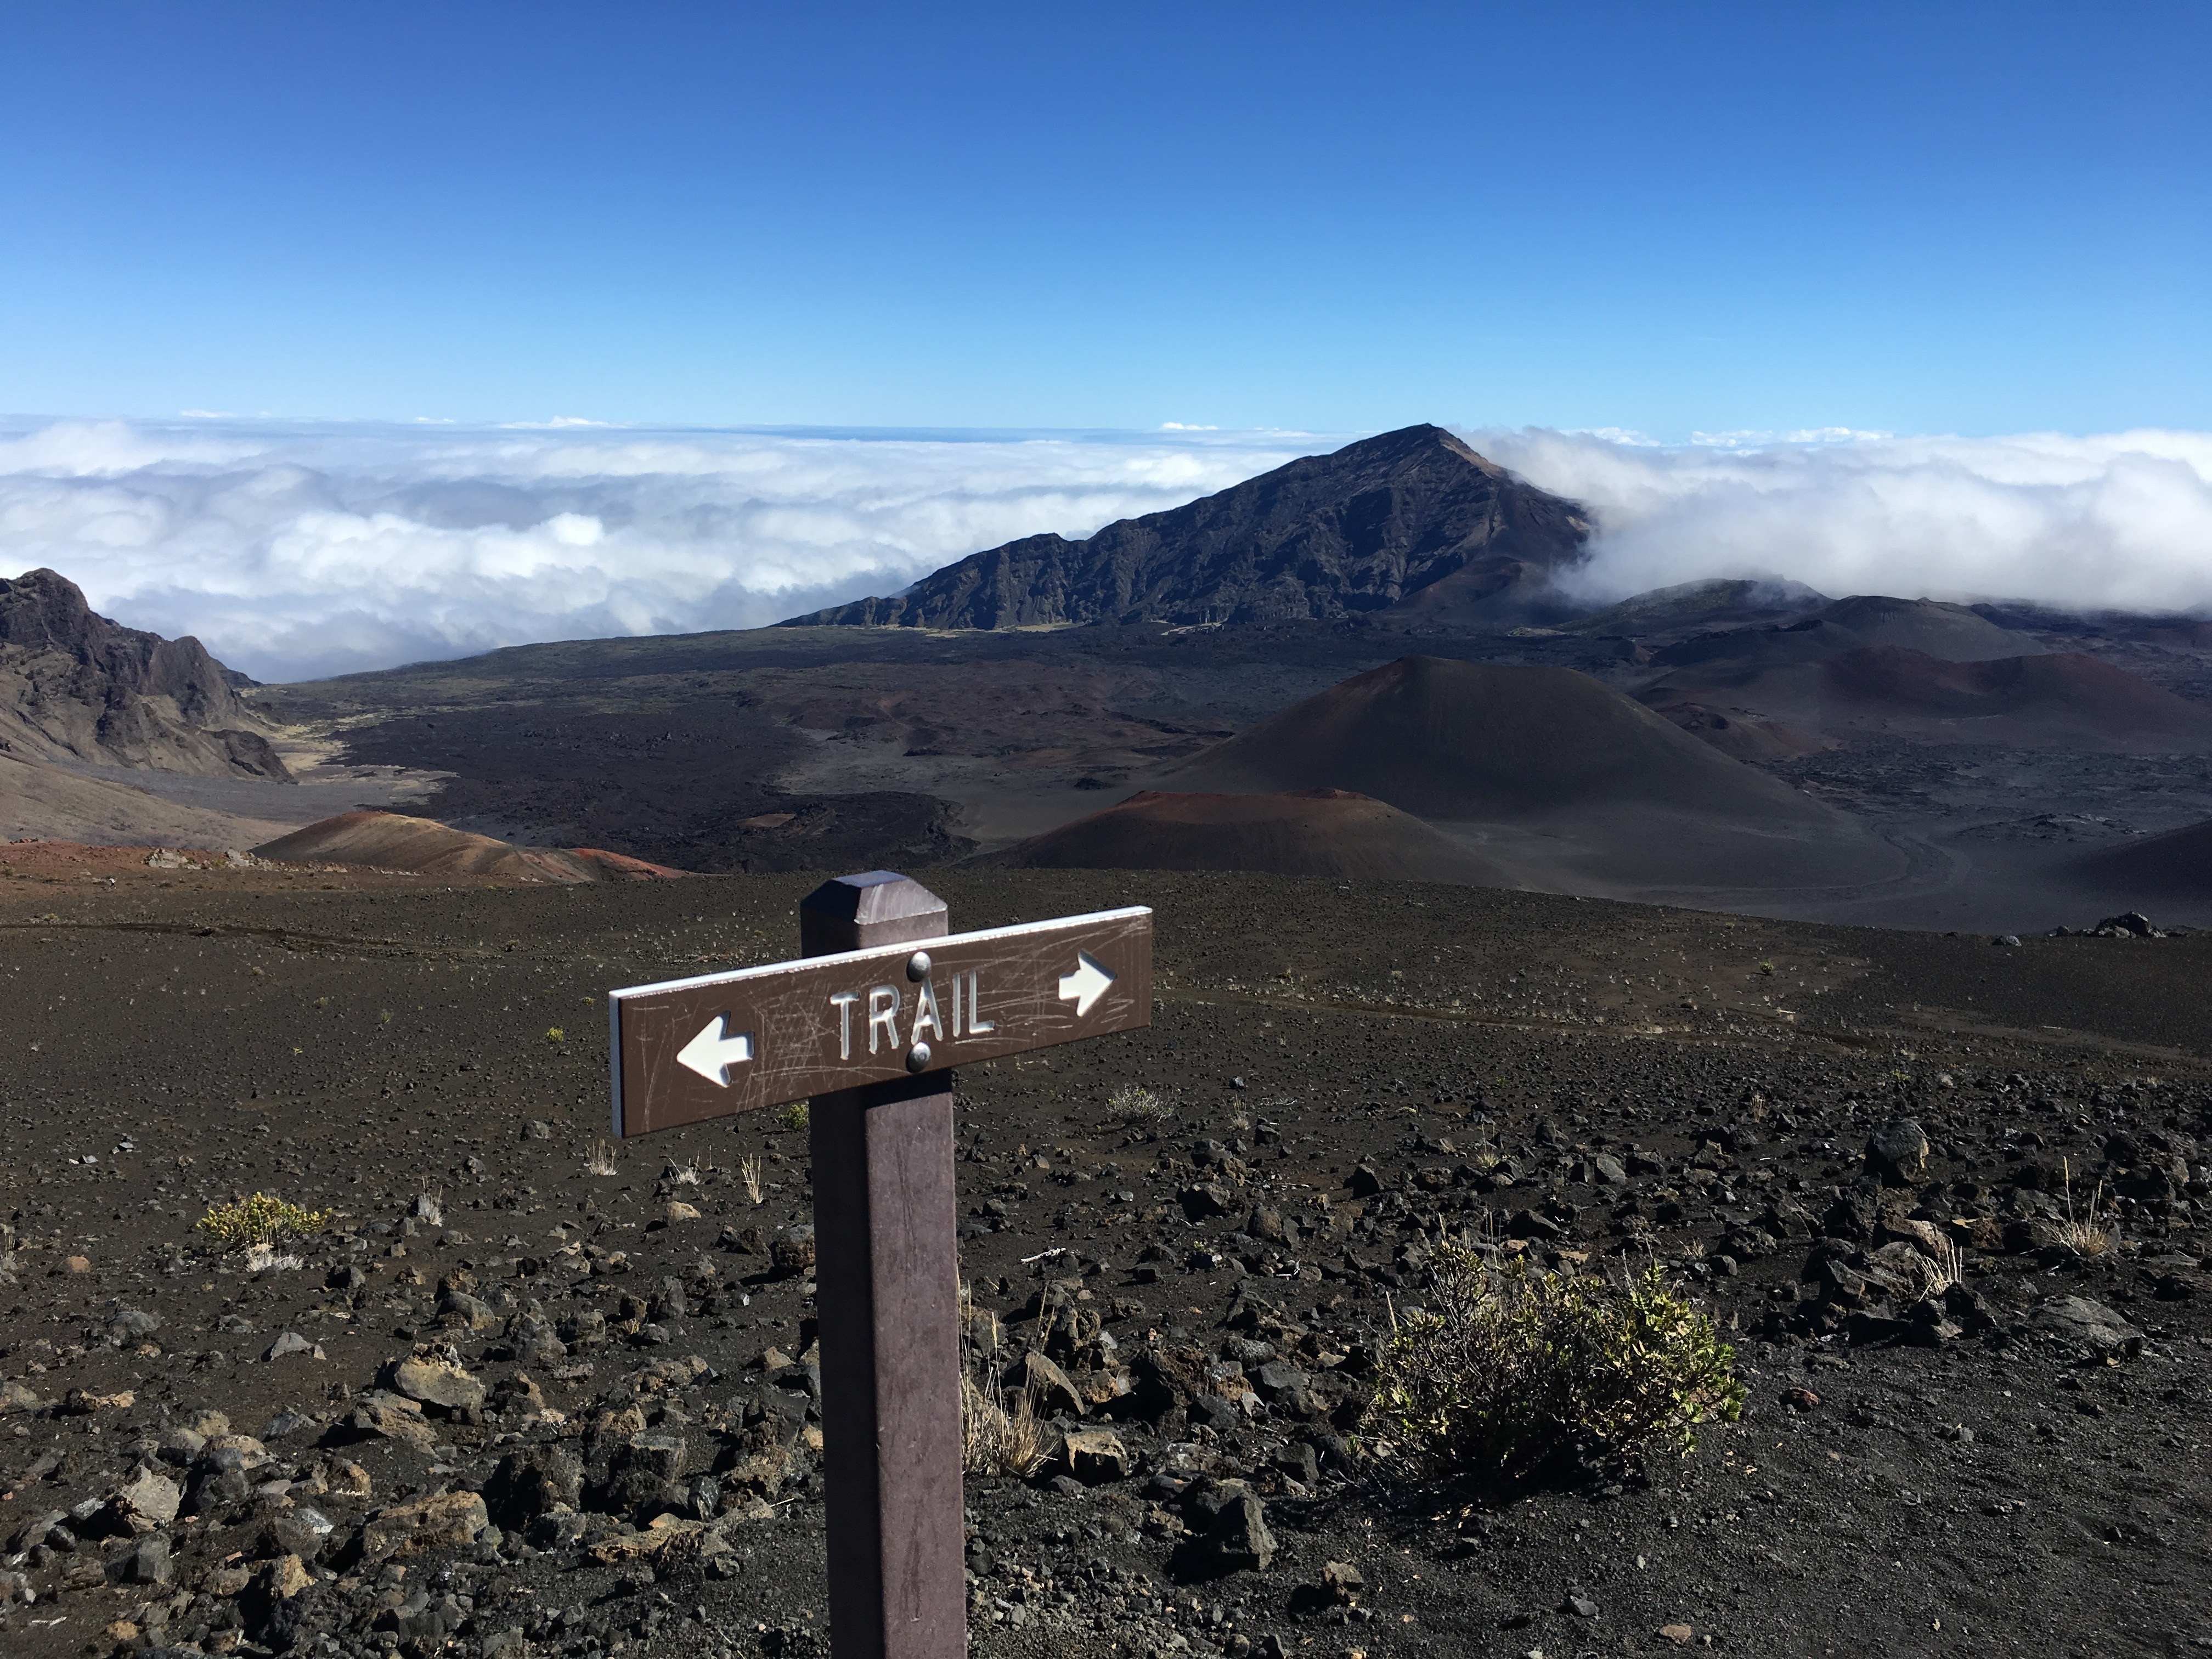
(1411, 520)
(1302, 832)
(74, 686)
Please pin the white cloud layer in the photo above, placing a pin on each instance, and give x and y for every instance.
(295, 551)
(299, 550)
(2120, 521)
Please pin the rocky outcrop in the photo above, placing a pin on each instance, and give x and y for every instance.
(76, 686)
(1412, 519)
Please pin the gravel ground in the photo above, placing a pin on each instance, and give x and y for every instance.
(448, 1422)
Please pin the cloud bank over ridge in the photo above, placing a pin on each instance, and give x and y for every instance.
(296, 550)
(2118, 521)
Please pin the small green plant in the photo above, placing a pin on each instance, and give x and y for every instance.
(793, 1116)
(260, 1220)
(1137, 1107)
(554, 1034)
(1513, 1369)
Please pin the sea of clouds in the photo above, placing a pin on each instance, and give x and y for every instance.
(297, 550)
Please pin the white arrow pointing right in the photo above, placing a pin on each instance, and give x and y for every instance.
(1086, 984)
(714, 1051)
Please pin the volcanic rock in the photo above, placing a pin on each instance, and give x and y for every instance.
(2085, 1320)
(531, 1482)
(1048, 1385)
(1231, 1525)
(1897, 1153)
(1095, 1455)
(392, 1416)
(148, 1502)
(430, 1378)
(445, 1521)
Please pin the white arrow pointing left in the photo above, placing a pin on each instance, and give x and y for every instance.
(714, 1051)
(1086, 984)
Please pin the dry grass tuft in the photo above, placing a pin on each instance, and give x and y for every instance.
(1136, 1107)
(600, 1160)
(995, 1438)
(2085, 1235)
(1948, 1268)
(749, 1172)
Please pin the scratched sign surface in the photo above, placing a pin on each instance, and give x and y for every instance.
(689, 1049)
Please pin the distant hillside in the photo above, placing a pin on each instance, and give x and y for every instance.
(2056, 700)
(1719, 602)
(76, 686)
(1412, 519)
(394, 840)
(1463, 741)
(1950, 632)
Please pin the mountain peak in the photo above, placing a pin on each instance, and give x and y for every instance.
(1411, 518)
(1420, 439)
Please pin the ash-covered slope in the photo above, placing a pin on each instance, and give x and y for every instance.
(2058, 700)
(76, 686)
(42, 802)
(394, 840)
(1951, 633)
(1412, 518)
(2177, 865)
(1307, 832)
(1464, 741)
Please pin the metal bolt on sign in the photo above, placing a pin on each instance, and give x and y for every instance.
(868, 1026)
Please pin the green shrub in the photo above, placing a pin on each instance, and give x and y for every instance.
(1137, 1107)
(1513, 1369)
(260, 1220)
(793, 1116)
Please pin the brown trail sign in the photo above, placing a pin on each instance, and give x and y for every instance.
(868, 1025)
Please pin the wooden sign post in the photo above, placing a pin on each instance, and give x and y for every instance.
(869, 1024)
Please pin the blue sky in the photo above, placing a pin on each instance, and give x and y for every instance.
(1914, 218)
